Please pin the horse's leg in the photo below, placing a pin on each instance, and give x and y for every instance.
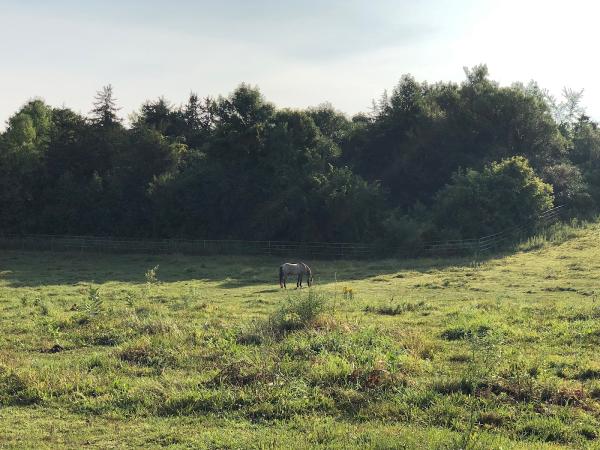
(284, 280)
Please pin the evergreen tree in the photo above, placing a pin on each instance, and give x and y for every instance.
(105, 109)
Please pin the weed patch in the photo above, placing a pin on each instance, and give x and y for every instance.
(147, 352)
(16, 390)
(461, 333)
(297, 312)
(394, 309)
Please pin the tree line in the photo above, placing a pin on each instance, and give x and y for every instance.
(429, 161)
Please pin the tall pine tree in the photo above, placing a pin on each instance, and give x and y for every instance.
(105, 109)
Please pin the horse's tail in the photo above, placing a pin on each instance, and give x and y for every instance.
(280, 275)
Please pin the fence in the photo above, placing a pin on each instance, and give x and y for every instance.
(493, 241)
(191, 247)
(316, 250)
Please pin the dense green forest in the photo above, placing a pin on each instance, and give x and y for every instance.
(428, 161)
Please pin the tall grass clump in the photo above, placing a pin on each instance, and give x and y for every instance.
(151, 276)
(16, 389)
(554, 234)
(298, 312)
(94, 303)
(394, 309)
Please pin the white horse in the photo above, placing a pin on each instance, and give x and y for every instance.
(299, 269)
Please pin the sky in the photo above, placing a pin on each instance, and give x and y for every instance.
(299, 53)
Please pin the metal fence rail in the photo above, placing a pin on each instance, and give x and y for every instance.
(323, 250)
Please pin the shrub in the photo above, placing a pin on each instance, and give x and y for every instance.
(504, 194)
(570, 188)
(297, 313)
(401, 231)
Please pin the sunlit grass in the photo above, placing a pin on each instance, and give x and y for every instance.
(118, 351)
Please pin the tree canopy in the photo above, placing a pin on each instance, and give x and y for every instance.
(442, 159)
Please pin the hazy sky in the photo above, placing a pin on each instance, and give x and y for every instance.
(299, 53)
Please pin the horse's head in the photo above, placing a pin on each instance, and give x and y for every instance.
(310, 276)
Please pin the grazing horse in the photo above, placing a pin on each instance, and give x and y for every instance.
(299, 269)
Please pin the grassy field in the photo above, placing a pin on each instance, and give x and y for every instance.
(103, 351)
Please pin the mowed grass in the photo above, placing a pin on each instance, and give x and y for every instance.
(208, 352)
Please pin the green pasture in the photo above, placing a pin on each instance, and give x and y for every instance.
(115, 351)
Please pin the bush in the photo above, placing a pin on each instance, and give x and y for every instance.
(504, 194)
(570, 188)
(297, 313)
(400, 231)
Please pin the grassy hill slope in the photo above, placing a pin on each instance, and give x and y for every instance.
(209, 352)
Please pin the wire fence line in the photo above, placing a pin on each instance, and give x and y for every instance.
(495, 241)
(317, 250)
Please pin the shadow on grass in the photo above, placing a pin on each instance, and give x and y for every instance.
(30, 268)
